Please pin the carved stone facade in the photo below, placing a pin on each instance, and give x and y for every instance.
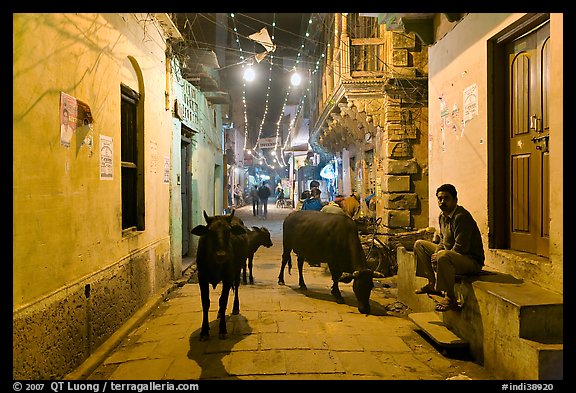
(379, 115)
(396, 167)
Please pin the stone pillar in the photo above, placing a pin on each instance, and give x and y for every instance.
(346, 180)
(345, 48)
(337, 56)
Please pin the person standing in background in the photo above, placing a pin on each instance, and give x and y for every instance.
(263, 195)
(254, 197)
(314, 202)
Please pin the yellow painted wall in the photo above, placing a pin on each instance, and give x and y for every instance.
(67, 222)
(557, 146)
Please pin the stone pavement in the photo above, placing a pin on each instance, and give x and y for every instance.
(281, 332)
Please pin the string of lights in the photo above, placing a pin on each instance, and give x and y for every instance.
(296, 81)
(244, 84)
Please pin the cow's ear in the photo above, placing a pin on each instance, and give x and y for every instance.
(200, 230)
(238, 230)
(346, 277)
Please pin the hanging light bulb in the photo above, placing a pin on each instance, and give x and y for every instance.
(249, 74)
(295, 79)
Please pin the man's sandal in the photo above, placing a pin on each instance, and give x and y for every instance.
(428, 289)
(447, 305)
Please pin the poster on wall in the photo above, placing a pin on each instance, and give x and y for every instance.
(68, 118)
(75, 115)
(166, 169)
(106, 158)
(470, 100)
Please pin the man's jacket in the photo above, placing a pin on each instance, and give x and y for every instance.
(459, 232)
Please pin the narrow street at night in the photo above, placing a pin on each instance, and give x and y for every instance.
(281, 332)
(425, 151)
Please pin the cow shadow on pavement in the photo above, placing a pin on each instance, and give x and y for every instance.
(212, 355)
(323, 294)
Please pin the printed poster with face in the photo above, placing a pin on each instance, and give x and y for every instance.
(68, 118)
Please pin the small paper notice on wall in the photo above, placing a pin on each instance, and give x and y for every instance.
(166, 169)
(106, 158)
(153, 156)
(470, 100)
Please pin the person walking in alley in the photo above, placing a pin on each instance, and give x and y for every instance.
(254, 197)
(460, 250)
(263, 195)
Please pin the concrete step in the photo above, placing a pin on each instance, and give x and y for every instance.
(432, 325)
(548, 355)
(539, 311)
(511, 322)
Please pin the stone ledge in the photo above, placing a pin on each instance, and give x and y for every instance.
(514, 328)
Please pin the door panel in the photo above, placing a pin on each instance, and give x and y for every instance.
(528, 147)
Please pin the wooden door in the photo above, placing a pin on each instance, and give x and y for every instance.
(528, 141)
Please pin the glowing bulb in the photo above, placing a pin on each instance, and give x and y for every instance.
(295, 79)
(249, 74)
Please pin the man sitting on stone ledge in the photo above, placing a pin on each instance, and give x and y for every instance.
(460, 250)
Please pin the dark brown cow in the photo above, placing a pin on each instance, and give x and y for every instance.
(332, 238)
(222, 249)
(256, 237)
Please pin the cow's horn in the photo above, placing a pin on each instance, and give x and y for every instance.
(206, 217)
(377, 274)
(230, 216)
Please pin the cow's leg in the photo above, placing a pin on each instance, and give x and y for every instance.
(250, 268)
(223, 303)
(336, 292)
(285, 260)
(300, 273)
(205, 297)
(244, 281)
(236, 288)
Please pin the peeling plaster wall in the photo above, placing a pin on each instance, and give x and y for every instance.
(458, 153)
(76, 278)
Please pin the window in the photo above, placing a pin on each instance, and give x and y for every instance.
(131, 162)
